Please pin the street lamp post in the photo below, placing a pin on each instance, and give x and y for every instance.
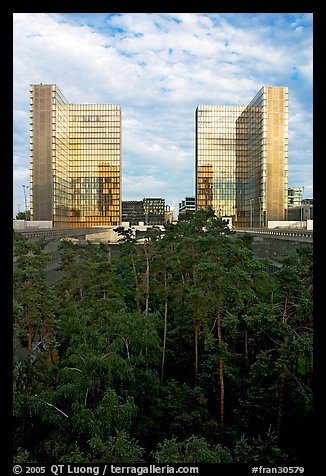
(251, 212)
(235, 214)
(260, 207)
(301, 209)
(25, 221)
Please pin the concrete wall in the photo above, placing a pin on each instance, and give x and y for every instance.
(110, 236)
(107, 236)
(22, 224)
(296, 224)
(310, 224)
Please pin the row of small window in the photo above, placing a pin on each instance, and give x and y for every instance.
(107, 219)
(218, 111)
(220, 132)
(89, 201)
(98, 132)
(94, 107)
(220, 145)
(88, 166)
(95, 204)
(232, 151)
(114, 186)
(217, 184)
(219, 127)
(98, 189)
(95, 142)
(224, 138)
(97, 212)
(215, 157)
(102, 217)
(97, 171)
(103, 127)
(221, 148)
(80, 158)
(228, 132)
(91, 179)
(224, 122)
(94, 118)
(223, 133)
(89, 182)
(225, 175)
(57, 126)
(229, 122)
(95, 137)
(109, 157)
(110, 122)
(85, 168)
(98, 174)
(101, 144)
(227, 164)
(95, 159)
(79, 148)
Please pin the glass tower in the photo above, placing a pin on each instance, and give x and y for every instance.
(75, 160)
(216, 153)
(242, 158)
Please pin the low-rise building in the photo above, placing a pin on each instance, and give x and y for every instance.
(187, 205)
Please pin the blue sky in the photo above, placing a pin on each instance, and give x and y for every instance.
(159, 67)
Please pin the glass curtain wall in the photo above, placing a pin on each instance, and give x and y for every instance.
(95, 164)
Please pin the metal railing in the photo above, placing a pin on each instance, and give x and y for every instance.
(55, 233)
(277, 232)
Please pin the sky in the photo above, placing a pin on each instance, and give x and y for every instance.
(159, 67)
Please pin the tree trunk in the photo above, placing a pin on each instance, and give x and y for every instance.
(165, 326)
(81, 290)
(147, 281)
(137, 295)
(196, 314)
(196, 345)
(30, 332)
(246, 345)
(280, 406)
(309, 370)
(281, 385)
(221, 373)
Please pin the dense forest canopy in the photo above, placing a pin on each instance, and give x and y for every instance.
(179, 349)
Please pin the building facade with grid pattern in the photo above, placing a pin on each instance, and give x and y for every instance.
(242, 158)
(75, 160)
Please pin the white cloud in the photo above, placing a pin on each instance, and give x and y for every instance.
(159, 67)
(21, 176)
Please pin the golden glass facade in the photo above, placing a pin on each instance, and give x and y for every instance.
(75, 160)
(242, 157)
(216, 142)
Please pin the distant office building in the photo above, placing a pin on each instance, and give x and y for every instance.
(75, 160)
(187, 205)
(149, 211)
(242, 157)
(154, 211)
(295, 196)
(302, 212)
(133, 212)
(168, 215)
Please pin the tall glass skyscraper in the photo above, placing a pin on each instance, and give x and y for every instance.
(75, 160)
(242, 158)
